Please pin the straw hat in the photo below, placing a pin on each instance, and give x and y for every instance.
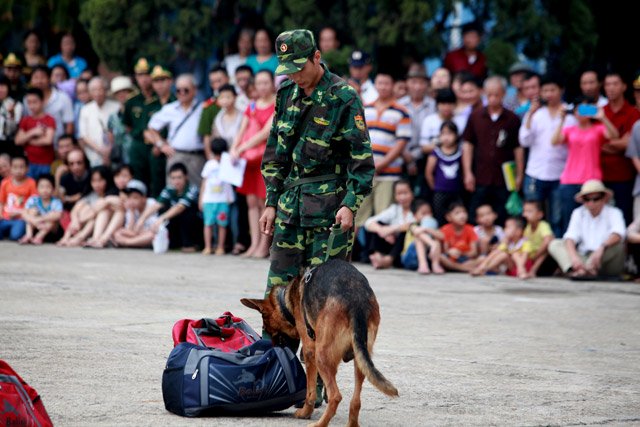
(121, 83)
(593, 186)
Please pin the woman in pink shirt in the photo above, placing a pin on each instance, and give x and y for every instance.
(584, 142)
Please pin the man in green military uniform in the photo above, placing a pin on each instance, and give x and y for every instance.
(318, 165)
(138, 109)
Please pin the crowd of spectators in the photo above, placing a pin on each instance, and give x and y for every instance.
(136, 161)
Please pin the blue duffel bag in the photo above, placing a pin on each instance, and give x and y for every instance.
(257, 378)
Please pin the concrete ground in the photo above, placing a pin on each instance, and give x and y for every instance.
(91, 331)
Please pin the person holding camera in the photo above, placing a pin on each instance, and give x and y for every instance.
(546, 161)
(584, 142)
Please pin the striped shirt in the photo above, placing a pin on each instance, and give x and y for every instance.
(392, 126)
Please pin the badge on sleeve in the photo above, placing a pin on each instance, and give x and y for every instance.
(359, 121)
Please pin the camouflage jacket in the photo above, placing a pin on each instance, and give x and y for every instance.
(334, 140)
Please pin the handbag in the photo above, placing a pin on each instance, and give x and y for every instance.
(255, 379)
(226, 333)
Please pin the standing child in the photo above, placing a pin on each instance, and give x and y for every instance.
(459, 241)
(36, 134)
(421, 241)
(538, 235)
(489, 234)
(511, 255)
(226, 125)
(42, 212)
(389, 227)
(215, 198)
(15, 190)
(443, 171)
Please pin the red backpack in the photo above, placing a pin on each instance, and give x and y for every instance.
(20, 404)
(226, 333)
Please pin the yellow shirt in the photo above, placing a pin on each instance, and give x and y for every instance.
(535, 239)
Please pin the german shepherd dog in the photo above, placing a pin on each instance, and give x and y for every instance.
(334, 312)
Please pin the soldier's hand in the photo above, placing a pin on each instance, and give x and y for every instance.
(267, 220)
(344, 217)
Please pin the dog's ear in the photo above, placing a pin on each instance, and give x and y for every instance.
(255, 304)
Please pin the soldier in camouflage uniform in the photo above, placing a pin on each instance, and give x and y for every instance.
(318, 165)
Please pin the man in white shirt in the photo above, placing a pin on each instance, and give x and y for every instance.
(594, 242)
(92, 124)
(359, 70)
(546, 161)
(181, 117)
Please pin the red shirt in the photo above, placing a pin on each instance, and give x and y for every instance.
(14, 196)
(617, 167)
(462, 240)
(457, 60)
(40, 155)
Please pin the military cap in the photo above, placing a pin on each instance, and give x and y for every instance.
(359, 58)
(293, 49)
(160, 72)
(636, 83)
(142, 66)
(12, 61)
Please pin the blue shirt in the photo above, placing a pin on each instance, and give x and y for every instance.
(55, 205)
(75, 67)
(270, 64)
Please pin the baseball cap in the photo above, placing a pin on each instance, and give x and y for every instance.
(136, 185)
(359, 58)
(293, 48)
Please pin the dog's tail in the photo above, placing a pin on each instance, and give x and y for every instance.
(363, 358)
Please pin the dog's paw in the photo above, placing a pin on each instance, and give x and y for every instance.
(303, 413)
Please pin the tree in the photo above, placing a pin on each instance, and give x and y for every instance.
(563, 32)
(121, 30)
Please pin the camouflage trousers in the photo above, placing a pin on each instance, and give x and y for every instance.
(297, 247)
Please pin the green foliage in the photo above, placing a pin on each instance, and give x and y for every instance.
(500, 56)
(122, 30)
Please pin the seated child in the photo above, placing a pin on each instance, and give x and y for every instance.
(459, 241)
(137, 231)
(216, 197)
(15, 190)
(389, 227)
(42, 212)
(510, 255)
(489, 234)
(538, 235)
(178, 203)
(110, 215)
(83, 214)
(421, 241)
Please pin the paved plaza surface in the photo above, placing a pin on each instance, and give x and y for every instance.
(91, 331)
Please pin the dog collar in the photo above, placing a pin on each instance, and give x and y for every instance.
(283, 306)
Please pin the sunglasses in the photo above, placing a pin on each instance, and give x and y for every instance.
(592, 199)
(183, 90)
